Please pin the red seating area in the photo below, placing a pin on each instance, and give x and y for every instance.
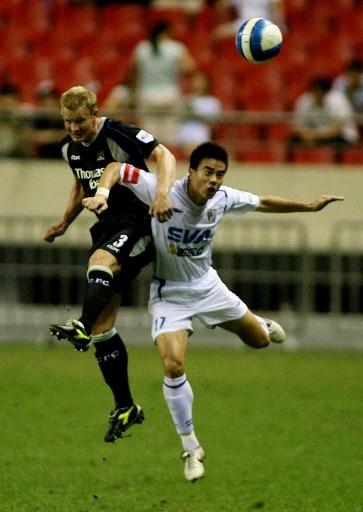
(80, 42)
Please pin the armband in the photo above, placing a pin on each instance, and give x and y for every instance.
(102, 191)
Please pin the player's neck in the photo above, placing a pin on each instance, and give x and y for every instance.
(195, 196)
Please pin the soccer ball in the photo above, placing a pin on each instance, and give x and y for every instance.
(258, 40)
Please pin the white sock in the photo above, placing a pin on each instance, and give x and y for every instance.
(189, 441)
(179, 398)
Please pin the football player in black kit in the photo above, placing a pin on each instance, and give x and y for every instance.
(120, 238)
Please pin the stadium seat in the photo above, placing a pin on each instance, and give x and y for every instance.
(278, 132)
(352, 156)
(122, 24)
(318, 155)
(75, 23)
(261, 152)
(118, 15)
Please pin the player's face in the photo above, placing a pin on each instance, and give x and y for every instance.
(80, 123)
(206, 180)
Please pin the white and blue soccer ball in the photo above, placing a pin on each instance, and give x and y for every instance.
(258, 40)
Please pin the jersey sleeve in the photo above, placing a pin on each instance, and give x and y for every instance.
(144, 140)
(142, 183)
(239, 201)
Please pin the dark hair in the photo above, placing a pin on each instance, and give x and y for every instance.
(207, 150)
(160, 28)
(321, 83)
(9, 89)
(355, 65)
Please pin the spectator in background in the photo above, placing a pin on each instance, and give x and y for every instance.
(12, 143)
(46, 127)
(190, 6)
(117, 102)
(323, 116)
(202, 111)
(156, 80)
(272, 10)
(351, 84)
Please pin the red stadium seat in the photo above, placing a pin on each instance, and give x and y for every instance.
(122, 24)
(278, 132)
(261, 152)
(352, 156)
(318, 155)
(118, 15)
(75, 23)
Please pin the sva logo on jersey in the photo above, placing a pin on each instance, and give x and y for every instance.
(188, 236)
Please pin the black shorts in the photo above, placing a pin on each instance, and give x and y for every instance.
(119, 238)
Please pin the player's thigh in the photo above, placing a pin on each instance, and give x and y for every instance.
(248, 329)
(107, 318)
(171, 348)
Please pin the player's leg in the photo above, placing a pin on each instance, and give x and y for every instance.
(255, 331)
(99, 292)
(179, 397)
(102, 267)
(249, 329)
(108, 257)
(220, 306)
(112, 358)
(111, 352)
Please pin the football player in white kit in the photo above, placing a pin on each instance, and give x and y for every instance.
(185, 285)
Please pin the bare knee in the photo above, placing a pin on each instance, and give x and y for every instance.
(173, 367)
(104, 259)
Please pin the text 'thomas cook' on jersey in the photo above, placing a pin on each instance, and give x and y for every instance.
(183, 244)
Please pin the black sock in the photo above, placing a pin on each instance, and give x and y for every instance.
(99, 292)
(112, 359)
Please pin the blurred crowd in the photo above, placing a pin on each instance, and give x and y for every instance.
(171, 66)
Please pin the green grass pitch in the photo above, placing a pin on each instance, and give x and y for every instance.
(282, 432)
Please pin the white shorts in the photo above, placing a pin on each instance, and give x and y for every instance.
(174, 304)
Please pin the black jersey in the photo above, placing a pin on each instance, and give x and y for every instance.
(116, 141)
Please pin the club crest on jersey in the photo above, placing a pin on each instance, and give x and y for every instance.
(100, 156)
(211, 215)
(144, 136)
(130, 174)
(172, 249)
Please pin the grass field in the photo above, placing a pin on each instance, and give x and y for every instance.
(282, 432)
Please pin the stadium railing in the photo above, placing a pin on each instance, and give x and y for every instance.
(44, 283)
(249, 136)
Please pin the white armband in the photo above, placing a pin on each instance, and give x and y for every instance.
(102, 191)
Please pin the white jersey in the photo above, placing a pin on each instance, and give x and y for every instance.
(183, 243)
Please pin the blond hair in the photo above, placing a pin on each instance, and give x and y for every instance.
(79, 96)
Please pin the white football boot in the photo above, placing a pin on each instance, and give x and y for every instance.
(276, 332)
(193, 464)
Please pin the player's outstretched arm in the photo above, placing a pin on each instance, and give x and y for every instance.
(275, 204)
(109, 178)
(162, 207)
(73, 209)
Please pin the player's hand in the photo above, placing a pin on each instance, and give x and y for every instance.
(52, 232)
(323, 201)
(96, 204)
(161, 208)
